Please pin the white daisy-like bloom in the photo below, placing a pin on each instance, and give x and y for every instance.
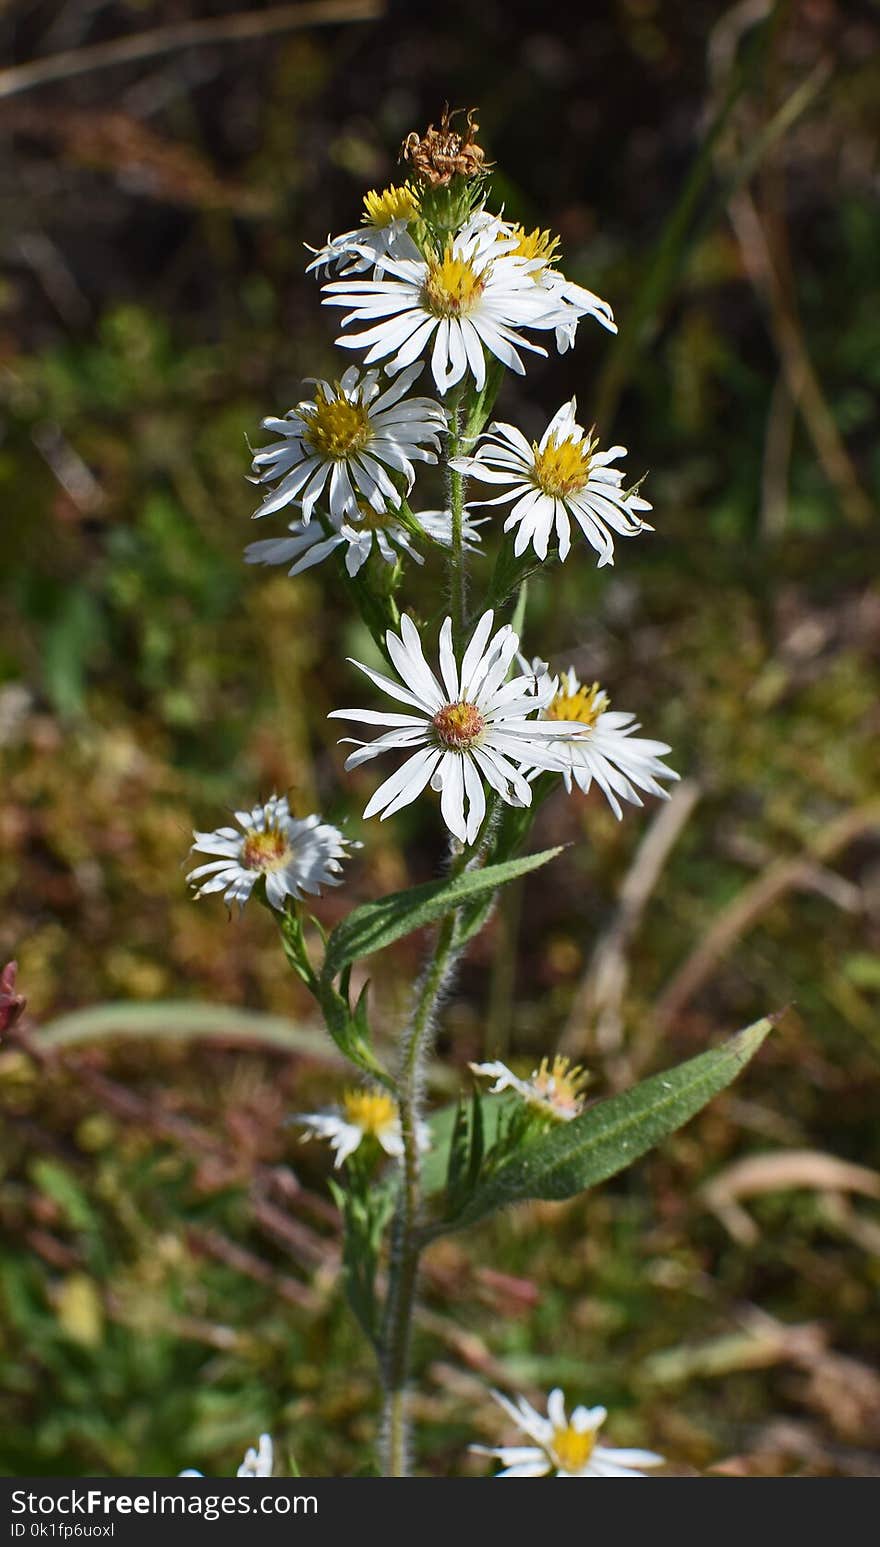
(371, 533)
(384, 221)
(294, 855)
(562, 1446)
(555, 1088)
(473, 298)
(346, 443)
(552, 482)
(573, 301)
(364, 1114)
(609, 751)
(259, 1462)
(256, 1463)
(471, 725)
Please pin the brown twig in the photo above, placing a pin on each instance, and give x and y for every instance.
(803, 383)
(238, 28)
(747, 907)
(597, 1009)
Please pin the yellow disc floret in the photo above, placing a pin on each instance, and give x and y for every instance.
(559, 1086)
(580, 703)
(452, 286)
(459, 725)
(338, 426)
(373, 520)
(535, 244)
(265, 850)
(373, 1111)
(394, 203)
(571, 1450)
(563, 466)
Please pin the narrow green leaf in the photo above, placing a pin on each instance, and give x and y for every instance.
(609, 1136)
(377, 924)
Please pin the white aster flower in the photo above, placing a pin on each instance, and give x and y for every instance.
(256, 1463)
(259, 1462)
(476, 726)
(294, 855)
(372, 532)
(554, 481)
(561, 1446)
(555, 1089)
(475, 296)
(384, 221)
(352, 436)
(364, 1113)
(572, 301)
(608, 751)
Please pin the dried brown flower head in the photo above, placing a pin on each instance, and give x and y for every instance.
(439, 155)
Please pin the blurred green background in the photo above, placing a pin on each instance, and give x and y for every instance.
(168, 1257)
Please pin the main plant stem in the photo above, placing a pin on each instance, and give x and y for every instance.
(405, 1243)
(455, 491)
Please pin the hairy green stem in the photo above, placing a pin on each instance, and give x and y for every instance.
(455, 491)
(405, 1243)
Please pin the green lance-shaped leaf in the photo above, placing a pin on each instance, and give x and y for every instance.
(377, 924)
(609, 1136)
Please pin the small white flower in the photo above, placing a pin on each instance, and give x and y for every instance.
(572, 301)
(256, 1463)
(294, 855)
(385, 219)
(554, 481)
(553, 1089)
(371, 532)
(476, 726)
(364, 1113)
(475, 295)
(561, 1446)
(608, 751)
(349, 438)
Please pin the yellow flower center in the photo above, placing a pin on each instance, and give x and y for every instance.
(337, 427)
(535, 244)
(265, 851)
(571, 1451)
(559, 1086)
(584, 704)
(459, 726)
(394, 203)
(373, 1111)
(373, 520)
(452, 286)
(563, 467)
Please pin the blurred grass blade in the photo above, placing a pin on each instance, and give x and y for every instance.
(183, 1020)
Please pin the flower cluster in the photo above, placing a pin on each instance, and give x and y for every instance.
(439, 296)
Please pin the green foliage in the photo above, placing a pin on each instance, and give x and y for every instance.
(570, 1157)
(365, 1214)
(375, 925)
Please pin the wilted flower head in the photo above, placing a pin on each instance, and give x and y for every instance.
(439, 155)
(562, 1446)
